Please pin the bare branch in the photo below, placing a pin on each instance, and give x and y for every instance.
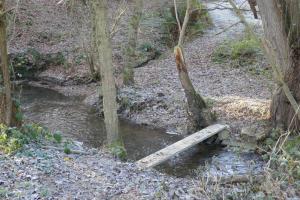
(177, 18)
(185, 22)
(227, 28)
(121, 11)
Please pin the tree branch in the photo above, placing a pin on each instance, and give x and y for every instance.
(185, 23)
(177, 18)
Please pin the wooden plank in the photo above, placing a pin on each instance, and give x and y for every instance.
(178, 147)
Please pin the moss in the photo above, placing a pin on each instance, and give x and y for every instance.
(27, 63)
(67, 150)
(57, 137)
(118, 150)
(13, 139)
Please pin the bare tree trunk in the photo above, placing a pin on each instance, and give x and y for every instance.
(132, 42)
(281, 20)
(6, 91)
(104, 50)
(93, 54)
(199, 115)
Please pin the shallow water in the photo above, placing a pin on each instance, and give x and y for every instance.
(78, 121)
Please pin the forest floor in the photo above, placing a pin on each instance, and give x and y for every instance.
(240, 99)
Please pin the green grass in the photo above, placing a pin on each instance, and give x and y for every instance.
(239, 53)
(118, 150)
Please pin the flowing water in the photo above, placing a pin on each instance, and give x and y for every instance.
(80, 122)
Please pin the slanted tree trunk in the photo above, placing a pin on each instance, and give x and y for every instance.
(252, 4)
(5, 84)
(132, 42)
(281, 20)
(199, 115)
(104, 49)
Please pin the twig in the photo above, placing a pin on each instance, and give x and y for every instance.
(227, 28)
(176, 14)
(240, 7)
(14, 23)
(114, 29)
(185, 22)
(242, 18)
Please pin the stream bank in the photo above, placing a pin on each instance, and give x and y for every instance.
(77, 121)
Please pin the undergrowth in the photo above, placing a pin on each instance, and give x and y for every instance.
(245, 53)
(118, 150)
(199, 21)
(13, 139)
(239, 52)
(282, 153)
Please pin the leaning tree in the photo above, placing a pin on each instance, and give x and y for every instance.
(281, 21)
(198, 113)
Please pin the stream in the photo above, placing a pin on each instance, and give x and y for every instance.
(75, 120)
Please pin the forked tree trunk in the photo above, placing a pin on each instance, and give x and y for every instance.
(5, 84)
(130, 51)
(104, 50)
(281, 20)
(199, 116)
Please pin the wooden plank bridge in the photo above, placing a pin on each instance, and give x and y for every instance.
(178, 147)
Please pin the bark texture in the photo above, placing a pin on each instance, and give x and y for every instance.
(104, 49)
(199, 115)
(132, 42)
(5, 84)
(281, 20)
